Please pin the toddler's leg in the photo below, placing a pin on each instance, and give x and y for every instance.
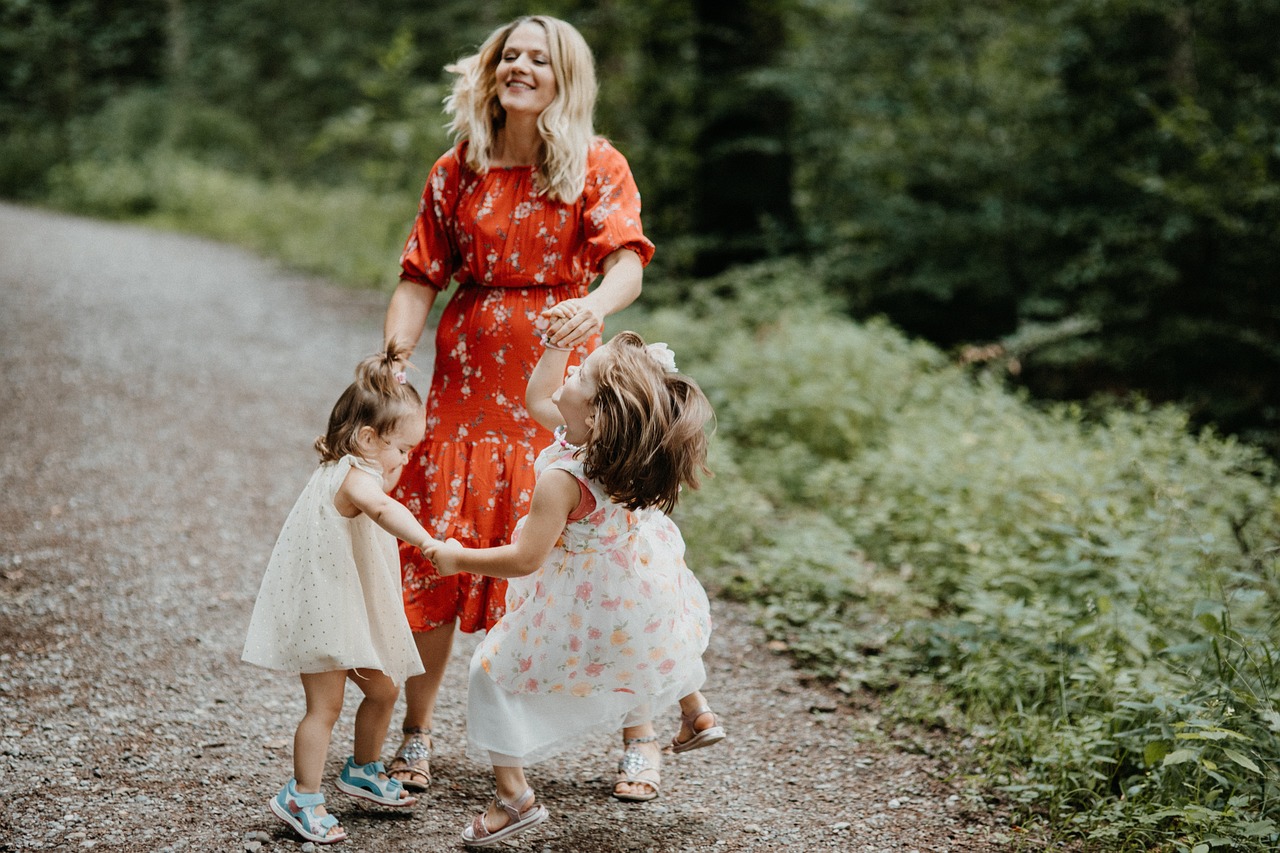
(311, 740)
(374, 714)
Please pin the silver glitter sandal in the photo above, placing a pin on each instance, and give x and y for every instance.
(630, 767)
(413, 759)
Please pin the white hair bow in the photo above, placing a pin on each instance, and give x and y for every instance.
(664, 356)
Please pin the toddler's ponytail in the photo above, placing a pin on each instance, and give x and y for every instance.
(379, 397)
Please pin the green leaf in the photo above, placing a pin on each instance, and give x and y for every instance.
(1180, 756)
(1241, 759)
(1155, 752)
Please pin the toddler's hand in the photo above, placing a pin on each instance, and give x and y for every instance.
(445, 557)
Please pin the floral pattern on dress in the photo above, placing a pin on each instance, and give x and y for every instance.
(614, 608)
(514, 252)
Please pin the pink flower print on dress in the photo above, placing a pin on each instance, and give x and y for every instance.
(611, 603)
(594, 633)
(584, 591)
(594, 669)
(575, 643)
(526, 663)
(667, 666)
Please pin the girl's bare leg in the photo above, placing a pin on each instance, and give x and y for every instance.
(689, 705)
(311, 740)
(511, 785)
(374, 714)
(650, 750)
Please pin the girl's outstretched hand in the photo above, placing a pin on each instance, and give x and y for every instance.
(429, 547)
(445, 556)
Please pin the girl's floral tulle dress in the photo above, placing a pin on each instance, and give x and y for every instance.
(610, 629)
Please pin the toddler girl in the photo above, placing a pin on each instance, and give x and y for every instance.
(604, 621)
(329, 606)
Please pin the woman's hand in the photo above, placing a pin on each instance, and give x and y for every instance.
(573, 322)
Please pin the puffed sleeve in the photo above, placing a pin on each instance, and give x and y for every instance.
(430, 256)
(611, 208)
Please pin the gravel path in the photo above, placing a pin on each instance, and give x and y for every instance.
(160, 396)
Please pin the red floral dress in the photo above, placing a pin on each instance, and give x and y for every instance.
(514, 253)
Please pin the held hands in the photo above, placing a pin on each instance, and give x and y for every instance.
(443, 555)
(573, 321)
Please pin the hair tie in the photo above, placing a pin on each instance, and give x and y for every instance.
(662, 354)
(400, 377)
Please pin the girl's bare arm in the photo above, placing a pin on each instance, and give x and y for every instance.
(362, 492)
(554, 496)
(547, 376)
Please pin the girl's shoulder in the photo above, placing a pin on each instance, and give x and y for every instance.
(350, 461)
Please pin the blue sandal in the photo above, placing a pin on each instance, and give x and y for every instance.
(370, 782)
(299, 811)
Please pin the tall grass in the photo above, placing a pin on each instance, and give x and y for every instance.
(346, 234)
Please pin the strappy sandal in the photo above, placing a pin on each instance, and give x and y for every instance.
(370, 782)
(630, 767)
(299, 811)
(478, 835)
(413, 759)
(708, 736)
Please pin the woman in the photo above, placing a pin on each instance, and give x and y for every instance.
(525, 211)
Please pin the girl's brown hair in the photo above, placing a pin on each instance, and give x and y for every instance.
(647, 435)
(376, 399)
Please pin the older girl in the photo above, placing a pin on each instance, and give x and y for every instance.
(604, 622)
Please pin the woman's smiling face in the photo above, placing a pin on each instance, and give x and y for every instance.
(526, 81)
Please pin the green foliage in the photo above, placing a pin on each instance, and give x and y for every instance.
(1092, 596)
(347, 234)
(974, 169)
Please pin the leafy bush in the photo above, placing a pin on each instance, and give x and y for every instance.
(1093, 595)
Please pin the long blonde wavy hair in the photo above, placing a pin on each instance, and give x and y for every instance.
(566, 125)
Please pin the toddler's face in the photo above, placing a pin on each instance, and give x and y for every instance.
(574, 397)
(392, 451)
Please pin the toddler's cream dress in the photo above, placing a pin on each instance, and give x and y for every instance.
(330, 598)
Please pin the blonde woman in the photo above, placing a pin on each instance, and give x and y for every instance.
(525, 212)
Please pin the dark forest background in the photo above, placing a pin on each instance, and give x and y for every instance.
(1083, 191)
